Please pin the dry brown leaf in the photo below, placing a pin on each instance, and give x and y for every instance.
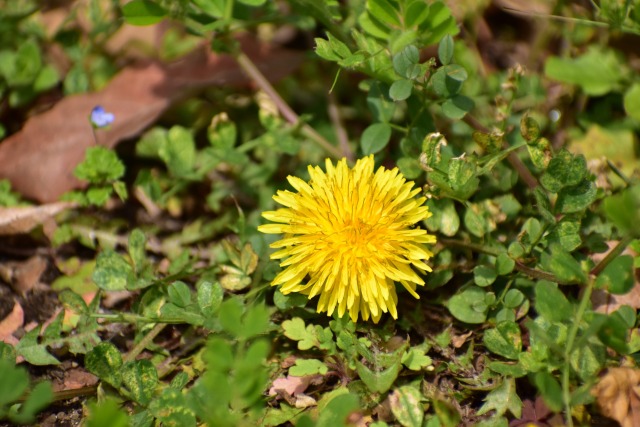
(17, 220)
(605, 302)
(40, 158)
(11, 323)
(618, 395)
(291, 385)
(26, 274)
(74, 378)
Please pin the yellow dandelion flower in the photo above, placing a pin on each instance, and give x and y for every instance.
(349, 235)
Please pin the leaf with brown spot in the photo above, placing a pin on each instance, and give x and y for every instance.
(39, 159)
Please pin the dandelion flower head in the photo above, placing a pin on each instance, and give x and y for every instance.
(349, 237)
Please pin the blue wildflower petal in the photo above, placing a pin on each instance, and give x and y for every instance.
(101, 118)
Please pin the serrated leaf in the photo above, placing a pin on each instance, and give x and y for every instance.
(179, 152)
(502, 399)
(416, 359)
(577, 198)
(34, 352)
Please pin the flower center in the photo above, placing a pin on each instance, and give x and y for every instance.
(357, 236)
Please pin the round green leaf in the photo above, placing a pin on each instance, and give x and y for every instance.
(400, 90)
(468, 306)
(484, 275)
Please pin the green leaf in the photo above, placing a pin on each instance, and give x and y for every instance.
(549, 389)
(253, 3)
(484, 275)
(99, 166)
(577, 198)
(447, 80)
(551, 303)
(230, 315)
(407, 407)
(335, 407)
(34, 352)
(614, 333)
(382, 107)
(445, 50)
(112, 272)
(407, 63)
(416, 359)
(457, 106)
(415, 13)
(179, 152)
(563, 266)
(106, 414)
(400, 90)
(375, 138)
(384, 370)
(255, 322)
(179, 294)
(618, 276)
(39, 398)
(623, 210)
(502, 399)
(8, 353)
(140, 378)
(529, 128)
(504, 264)
(171, 409)
(597, 72)
(143, 12)
(137, 250)
(513, 298)
(308, 367)
(445, 217)
(632, 101)
(209, 298)
(15, 381)
(105, 361)
(409, 167)
(309, 336)
(564, 170)
(504, 340)
(469, 306)
(383, 11)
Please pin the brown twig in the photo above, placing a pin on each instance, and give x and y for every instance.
(338, 125)
(252, 71)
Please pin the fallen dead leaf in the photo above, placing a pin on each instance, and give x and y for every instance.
(458, 340)
(605, 302)
(74, 378)
(291, 385)
(40, 158)
(25, 275)
(17, 220)
(11, 323)
(618, 395)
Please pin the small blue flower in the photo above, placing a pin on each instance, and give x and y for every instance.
(100, 118)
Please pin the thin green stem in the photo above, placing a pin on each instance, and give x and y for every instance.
(613, 254)
(287, 112)
(144, 342)
(569, 349)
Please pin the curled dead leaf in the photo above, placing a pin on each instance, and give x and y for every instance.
(618, 395)
(11, 323)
